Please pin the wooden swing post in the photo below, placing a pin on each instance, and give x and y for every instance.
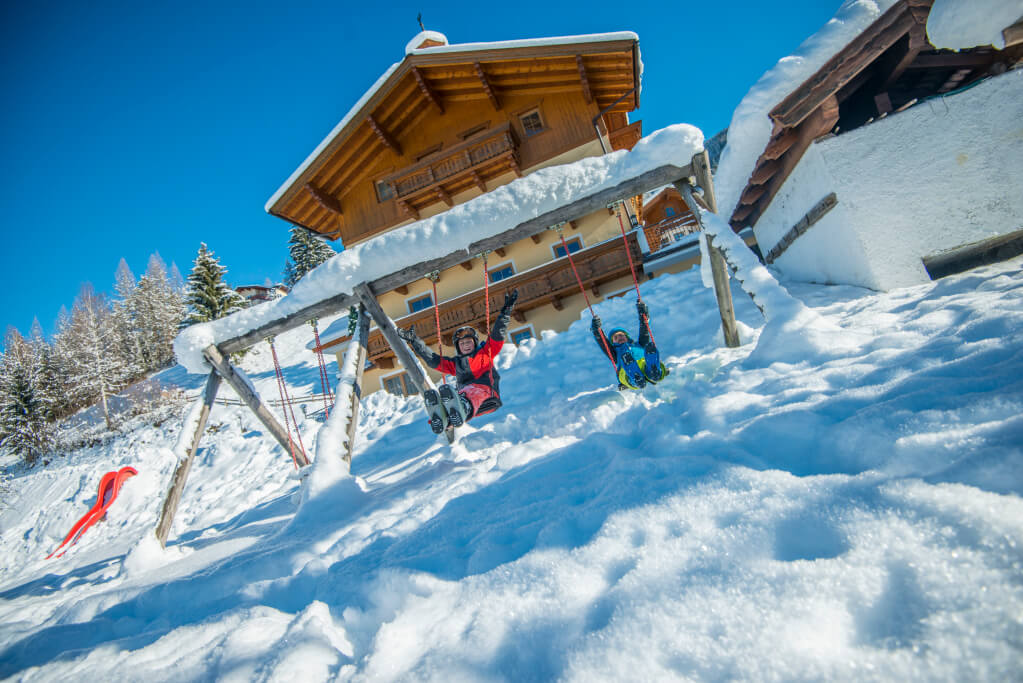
(701, 170)
(362, 352)
(390, 333)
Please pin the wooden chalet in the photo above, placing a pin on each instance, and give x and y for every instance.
(443, 126)
(887, 69)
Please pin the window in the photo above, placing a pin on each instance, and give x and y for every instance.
(399, 385)
(669, 212)
(531, 123)
(420, 303)
(574, 245)
(385, 191)
(502, 272)
(521, 335)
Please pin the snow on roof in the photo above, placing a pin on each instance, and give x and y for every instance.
(464, 47)
(489, 214)
(424, 36)
(750, 129)
(958, 24)
(951, 24)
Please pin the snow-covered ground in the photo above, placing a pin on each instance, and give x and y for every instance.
(778, 511)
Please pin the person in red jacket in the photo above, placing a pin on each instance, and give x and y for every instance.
(477, 380)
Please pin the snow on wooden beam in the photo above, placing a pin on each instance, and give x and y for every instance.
(584, 206)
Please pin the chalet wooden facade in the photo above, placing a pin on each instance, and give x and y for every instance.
(449, 123)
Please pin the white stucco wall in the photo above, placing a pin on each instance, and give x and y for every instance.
(946, 172)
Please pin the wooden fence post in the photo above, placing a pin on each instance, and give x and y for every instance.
(390, 333)
(362, 351)
(170, 504)
(245, 392)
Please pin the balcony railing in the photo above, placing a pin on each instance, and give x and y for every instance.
(466, 156)
(546, 284)
(672, 229)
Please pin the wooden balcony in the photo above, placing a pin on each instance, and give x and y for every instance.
(480, 158)
(663, 234)
(540, 286)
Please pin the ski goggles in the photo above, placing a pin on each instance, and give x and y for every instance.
(464, 333)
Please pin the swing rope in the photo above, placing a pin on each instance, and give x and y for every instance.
(632, 269)
(287, 406)
(324, 379)
(436, 316)
(571, 261)
(486, 297)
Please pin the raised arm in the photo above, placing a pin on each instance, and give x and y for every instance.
(422, 350)
(602, 341)
(644, 328)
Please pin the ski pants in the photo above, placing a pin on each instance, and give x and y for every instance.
(483, 399)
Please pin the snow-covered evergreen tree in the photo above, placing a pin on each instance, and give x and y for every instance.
(307, 252)
(209, 297)
(162, 309)
(24, 425)
(127, 320)
(91, 351)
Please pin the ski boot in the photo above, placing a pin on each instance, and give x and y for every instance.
(653, 369)
(438, 416)
(454, 405)
(634, 378)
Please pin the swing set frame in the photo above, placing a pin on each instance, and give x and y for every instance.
(693, 181)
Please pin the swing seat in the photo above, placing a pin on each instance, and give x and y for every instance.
(489, 405)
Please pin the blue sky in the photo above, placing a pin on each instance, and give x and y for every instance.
(131, 128)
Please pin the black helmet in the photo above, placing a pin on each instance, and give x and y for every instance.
(465, 331)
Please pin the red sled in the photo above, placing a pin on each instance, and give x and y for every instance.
(109, 486)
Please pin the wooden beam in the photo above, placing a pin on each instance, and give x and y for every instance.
(779, 145)
(466, 264)
(383, 135)
(362, 340)
(403, 290)
(390, 333)
(752, 194)
(536, 239)
(587, 93)
(883, 103)
(479, 181)
(572, 224)
(719, 271)
(519, 316)
(324, 199)
(954, 60)
(409, 210)
(917, 41)
(443, 195)
(385, 363)
(556, 302)
(427, 91)
(251, 399)
(177, 487)
(595, 289)
(583, 206)
(486, 86)
(501, 251)
(764, 172)
(1013, 35)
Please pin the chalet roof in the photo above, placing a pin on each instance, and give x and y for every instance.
(887, 66)
(425, 76)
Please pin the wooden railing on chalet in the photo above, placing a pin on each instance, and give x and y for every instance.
(546, 284)
(672, 229)
(475, 152)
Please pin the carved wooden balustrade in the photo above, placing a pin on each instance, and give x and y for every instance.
(546, 284)
(443, 173)
(672, 229)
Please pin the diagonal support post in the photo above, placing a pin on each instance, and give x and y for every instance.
(251, 399)
(390, 333)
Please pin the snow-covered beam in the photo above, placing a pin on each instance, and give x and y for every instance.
(657, 177)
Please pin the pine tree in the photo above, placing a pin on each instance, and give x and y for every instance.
(127, 320)
(24, 428)
(307, 252)
(162, 309)
(209, 297)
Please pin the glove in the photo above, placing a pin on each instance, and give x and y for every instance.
(595, 324)
(509, 301)
(408, 335)
(643, 309)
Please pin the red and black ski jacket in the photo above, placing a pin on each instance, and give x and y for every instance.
(473, 368)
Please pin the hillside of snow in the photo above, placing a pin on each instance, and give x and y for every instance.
(781, 510)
